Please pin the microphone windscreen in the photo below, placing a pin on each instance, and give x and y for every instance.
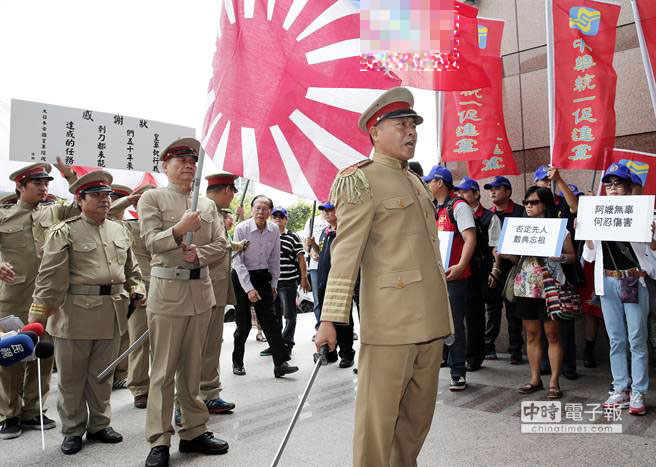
(32, 335)
(34, 327)
(15, 348)
(44, 349)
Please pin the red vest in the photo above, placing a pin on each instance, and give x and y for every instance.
(444, 224)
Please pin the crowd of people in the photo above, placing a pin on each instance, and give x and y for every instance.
(99, 283)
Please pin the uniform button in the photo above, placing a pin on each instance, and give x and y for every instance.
(425, 214)
(105, 243)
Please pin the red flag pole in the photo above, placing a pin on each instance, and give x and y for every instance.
(649, 70)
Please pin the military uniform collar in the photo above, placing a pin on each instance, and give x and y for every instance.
(23, 205)
(390, 161)
(89, 220)
(178, 189)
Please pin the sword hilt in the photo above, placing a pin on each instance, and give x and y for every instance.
(322, 355)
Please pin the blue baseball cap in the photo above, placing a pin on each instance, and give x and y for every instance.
(497, 182)
(280, 210)
(326, 205)
(574, 189)
(439, 173)
(541, 173)
(468, 184)
(635, 179)
(617, 170)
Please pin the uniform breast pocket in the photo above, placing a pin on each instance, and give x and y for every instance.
(170, 217)
(397, 215)
(121, 246)
(85, 255)
(12, 237)
(204, 234)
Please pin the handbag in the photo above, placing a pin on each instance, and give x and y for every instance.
(509, 286)
(628, 285)
(562, 301)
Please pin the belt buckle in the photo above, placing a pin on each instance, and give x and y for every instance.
(194, 273)
(105, 289)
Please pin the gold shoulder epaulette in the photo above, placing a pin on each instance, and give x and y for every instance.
(351, 184)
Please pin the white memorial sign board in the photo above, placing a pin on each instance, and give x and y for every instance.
(615, 218)
(532, 236)
(41, 132)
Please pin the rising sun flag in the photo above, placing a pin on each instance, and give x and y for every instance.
(287, 91)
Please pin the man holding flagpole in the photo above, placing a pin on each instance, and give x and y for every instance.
(180, 302)
(386, 225)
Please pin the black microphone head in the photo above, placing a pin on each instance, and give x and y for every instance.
(32, 335)
(44, 349)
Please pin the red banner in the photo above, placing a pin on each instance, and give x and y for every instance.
(584, 81)
(490, 33)
(500, 160)
(642, 164)
(647, 9)
(470, 74)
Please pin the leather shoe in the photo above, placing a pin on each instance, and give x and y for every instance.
(346, 363)
(238, 370)
(204, 444)
(106, 435)
(141, 402)
(284, 369)
(71, 444)
(158, 457)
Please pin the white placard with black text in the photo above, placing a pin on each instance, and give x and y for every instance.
(615, 218)
(41, 132)
(532, 236)
(445, 243)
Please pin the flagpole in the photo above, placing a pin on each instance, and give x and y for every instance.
(649, 70)
(439, 104)
(550, 76)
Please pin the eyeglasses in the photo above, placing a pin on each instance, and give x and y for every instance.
(531, 202)
(614, 184)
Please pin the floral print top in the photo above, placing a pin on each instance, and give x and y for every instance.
(528, 281)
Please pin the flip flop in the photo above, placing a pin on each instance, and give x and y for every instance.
(529, 388)
(554, 393)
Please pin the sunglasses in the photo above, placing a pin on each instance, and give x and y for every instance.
(278, 216)
(613, 184)
(531, 202)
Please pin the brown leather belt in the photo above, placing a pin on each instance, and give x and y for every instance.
(633, 272)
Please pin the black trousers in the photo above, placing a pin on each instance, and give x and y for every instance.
(493, 318)
(475, 320)
(261, 280)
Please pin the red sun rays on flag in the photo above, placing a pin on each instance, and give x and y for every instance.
(287, 91)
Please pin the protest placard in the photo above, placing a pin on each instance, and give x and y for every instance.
(615, 218)
(41, 132)
(532, 236)
(445, 240)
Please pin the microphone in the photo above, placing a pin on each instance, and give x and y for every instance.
(13, 349)
(37, 328)
(44, 350)
(31, 334)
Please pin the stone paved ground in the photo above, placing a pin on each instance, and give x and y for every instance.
(480, 426)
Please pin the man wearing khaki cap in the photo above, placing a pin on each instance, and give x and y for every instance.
(22, 234)
(386, 225)
(89, 270)
(180, 302)
(138, 379)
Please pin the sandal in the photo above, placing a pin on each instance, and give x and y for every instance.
(554, 393)
(529, 388)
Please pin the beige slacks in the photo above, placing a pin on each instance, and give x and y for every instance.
(210, 380)
(397, 390)
(139, 359)
(84, 403)
(176, 344)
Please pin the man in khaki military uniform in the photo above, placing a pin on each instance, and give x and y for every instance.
(87, 269)
(22, 233)
(220, 189)
(386, 229)
(180, 302)
(138, 379)
(121, 372)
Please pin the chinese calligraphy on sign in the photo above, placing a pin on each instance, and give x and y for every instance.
(613, 218)
(41, 132)
(532, 236)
